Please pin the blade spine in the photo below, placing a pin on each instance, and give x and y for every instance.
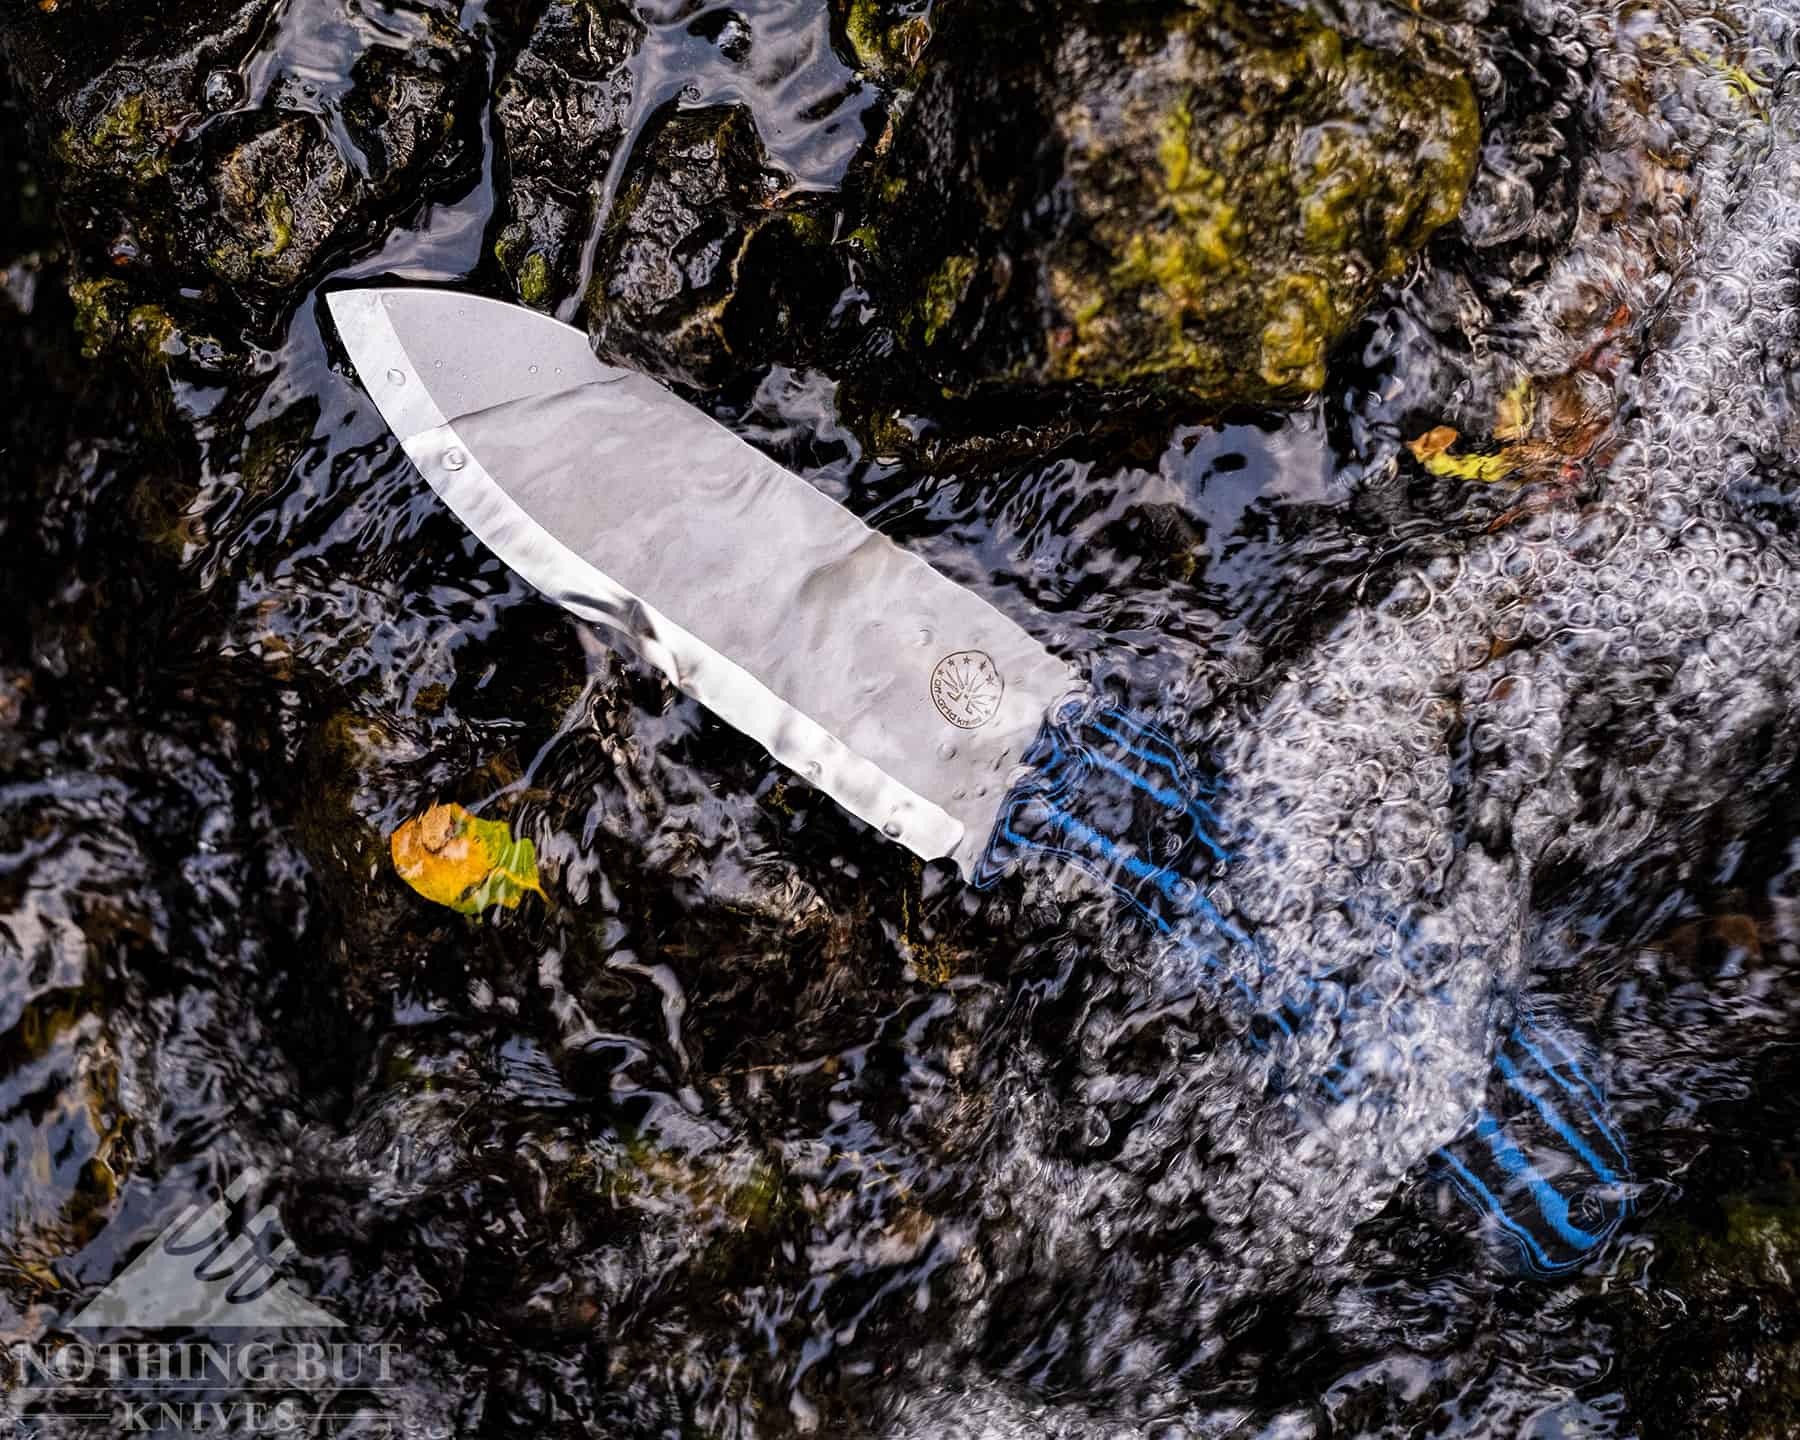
(939, 834)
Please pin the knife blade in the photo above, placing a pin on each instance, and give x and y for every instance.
(906, 697)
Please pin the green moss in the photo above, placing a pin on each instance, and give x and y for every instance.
(1218, 223)
(119, 128)
(863, 28)
(278, 218)
(1300, 330)
(1450, 167)
(1739, 82)
(1762, 1239)
(534, 278)
(943, 293)
(754, 1202)
(885, 47)
(742, 1193)
(804, 227)
(154, 331)
(99, 313)
(105, 319)
(271, 449)
(122, 141)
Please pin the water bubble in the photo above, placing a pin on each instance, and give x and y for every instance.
(455, 459)
(946, 750)
(396, 377)
(891, 829)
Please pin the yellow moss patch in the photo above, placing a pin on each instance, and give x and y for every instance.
(278, 217)
(534, 278)
(1298, 334)
(943, 293)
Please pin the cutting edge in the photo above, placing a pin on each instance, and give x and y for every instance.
(428, 436)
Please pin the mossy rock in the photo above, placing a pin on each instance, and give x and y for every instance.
(283, 192)
(1200, 197)
(561, 110)
(707, 269)
(885, 37)
(170, 185)
(1711, 1336)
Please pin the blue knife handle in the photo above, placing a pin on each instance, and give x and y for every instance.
(1112, 795)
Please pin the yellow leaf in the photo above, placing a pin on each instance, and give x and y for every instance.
(452, 858)
(1512, 417)
(1737, 79)
(1432, 450)
(1432, 442)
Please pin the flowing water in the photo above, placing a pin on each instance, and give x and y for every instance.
(756, 1126)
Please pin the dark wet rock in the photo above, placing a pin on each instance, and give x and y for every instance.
(561, 113)
(1202, 197)
(887, 37)
(1713, 1337)
(282, 194)
(707, 267)
(172, 187)
(707, 264)
(130, 820)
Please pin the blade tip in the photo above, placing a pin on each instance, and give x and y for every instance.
(346, 305)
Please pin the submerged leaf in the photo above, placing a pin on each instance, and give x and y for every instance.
(452, 858)
(1513, 415)
(1432, 450)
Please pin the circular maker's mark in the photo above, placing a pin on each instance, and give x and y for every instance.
(966, 688)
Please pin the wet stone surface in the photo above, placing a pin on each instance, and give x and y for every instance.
(1204, 197)
(753, 1126)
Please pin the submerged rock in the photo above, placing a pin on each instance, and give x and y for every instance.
(1199, 196)
(704, 258)
(689, 246)
(1713, 1323)
(187, 184)
(561, 115)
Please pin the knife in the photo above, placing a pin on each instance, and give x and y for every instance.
(913, 702)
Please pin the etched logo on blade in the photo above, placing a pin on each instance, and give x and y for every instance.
(967, 688)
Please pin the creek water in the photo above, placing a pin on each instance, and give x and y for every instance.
(756, 1126)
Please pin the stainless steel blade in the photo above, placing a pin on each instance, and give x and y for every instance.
(904, 696)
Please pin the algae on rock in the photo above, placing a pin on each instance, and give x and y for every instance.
(561, 113)
(1202, 197)
(182, 190)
